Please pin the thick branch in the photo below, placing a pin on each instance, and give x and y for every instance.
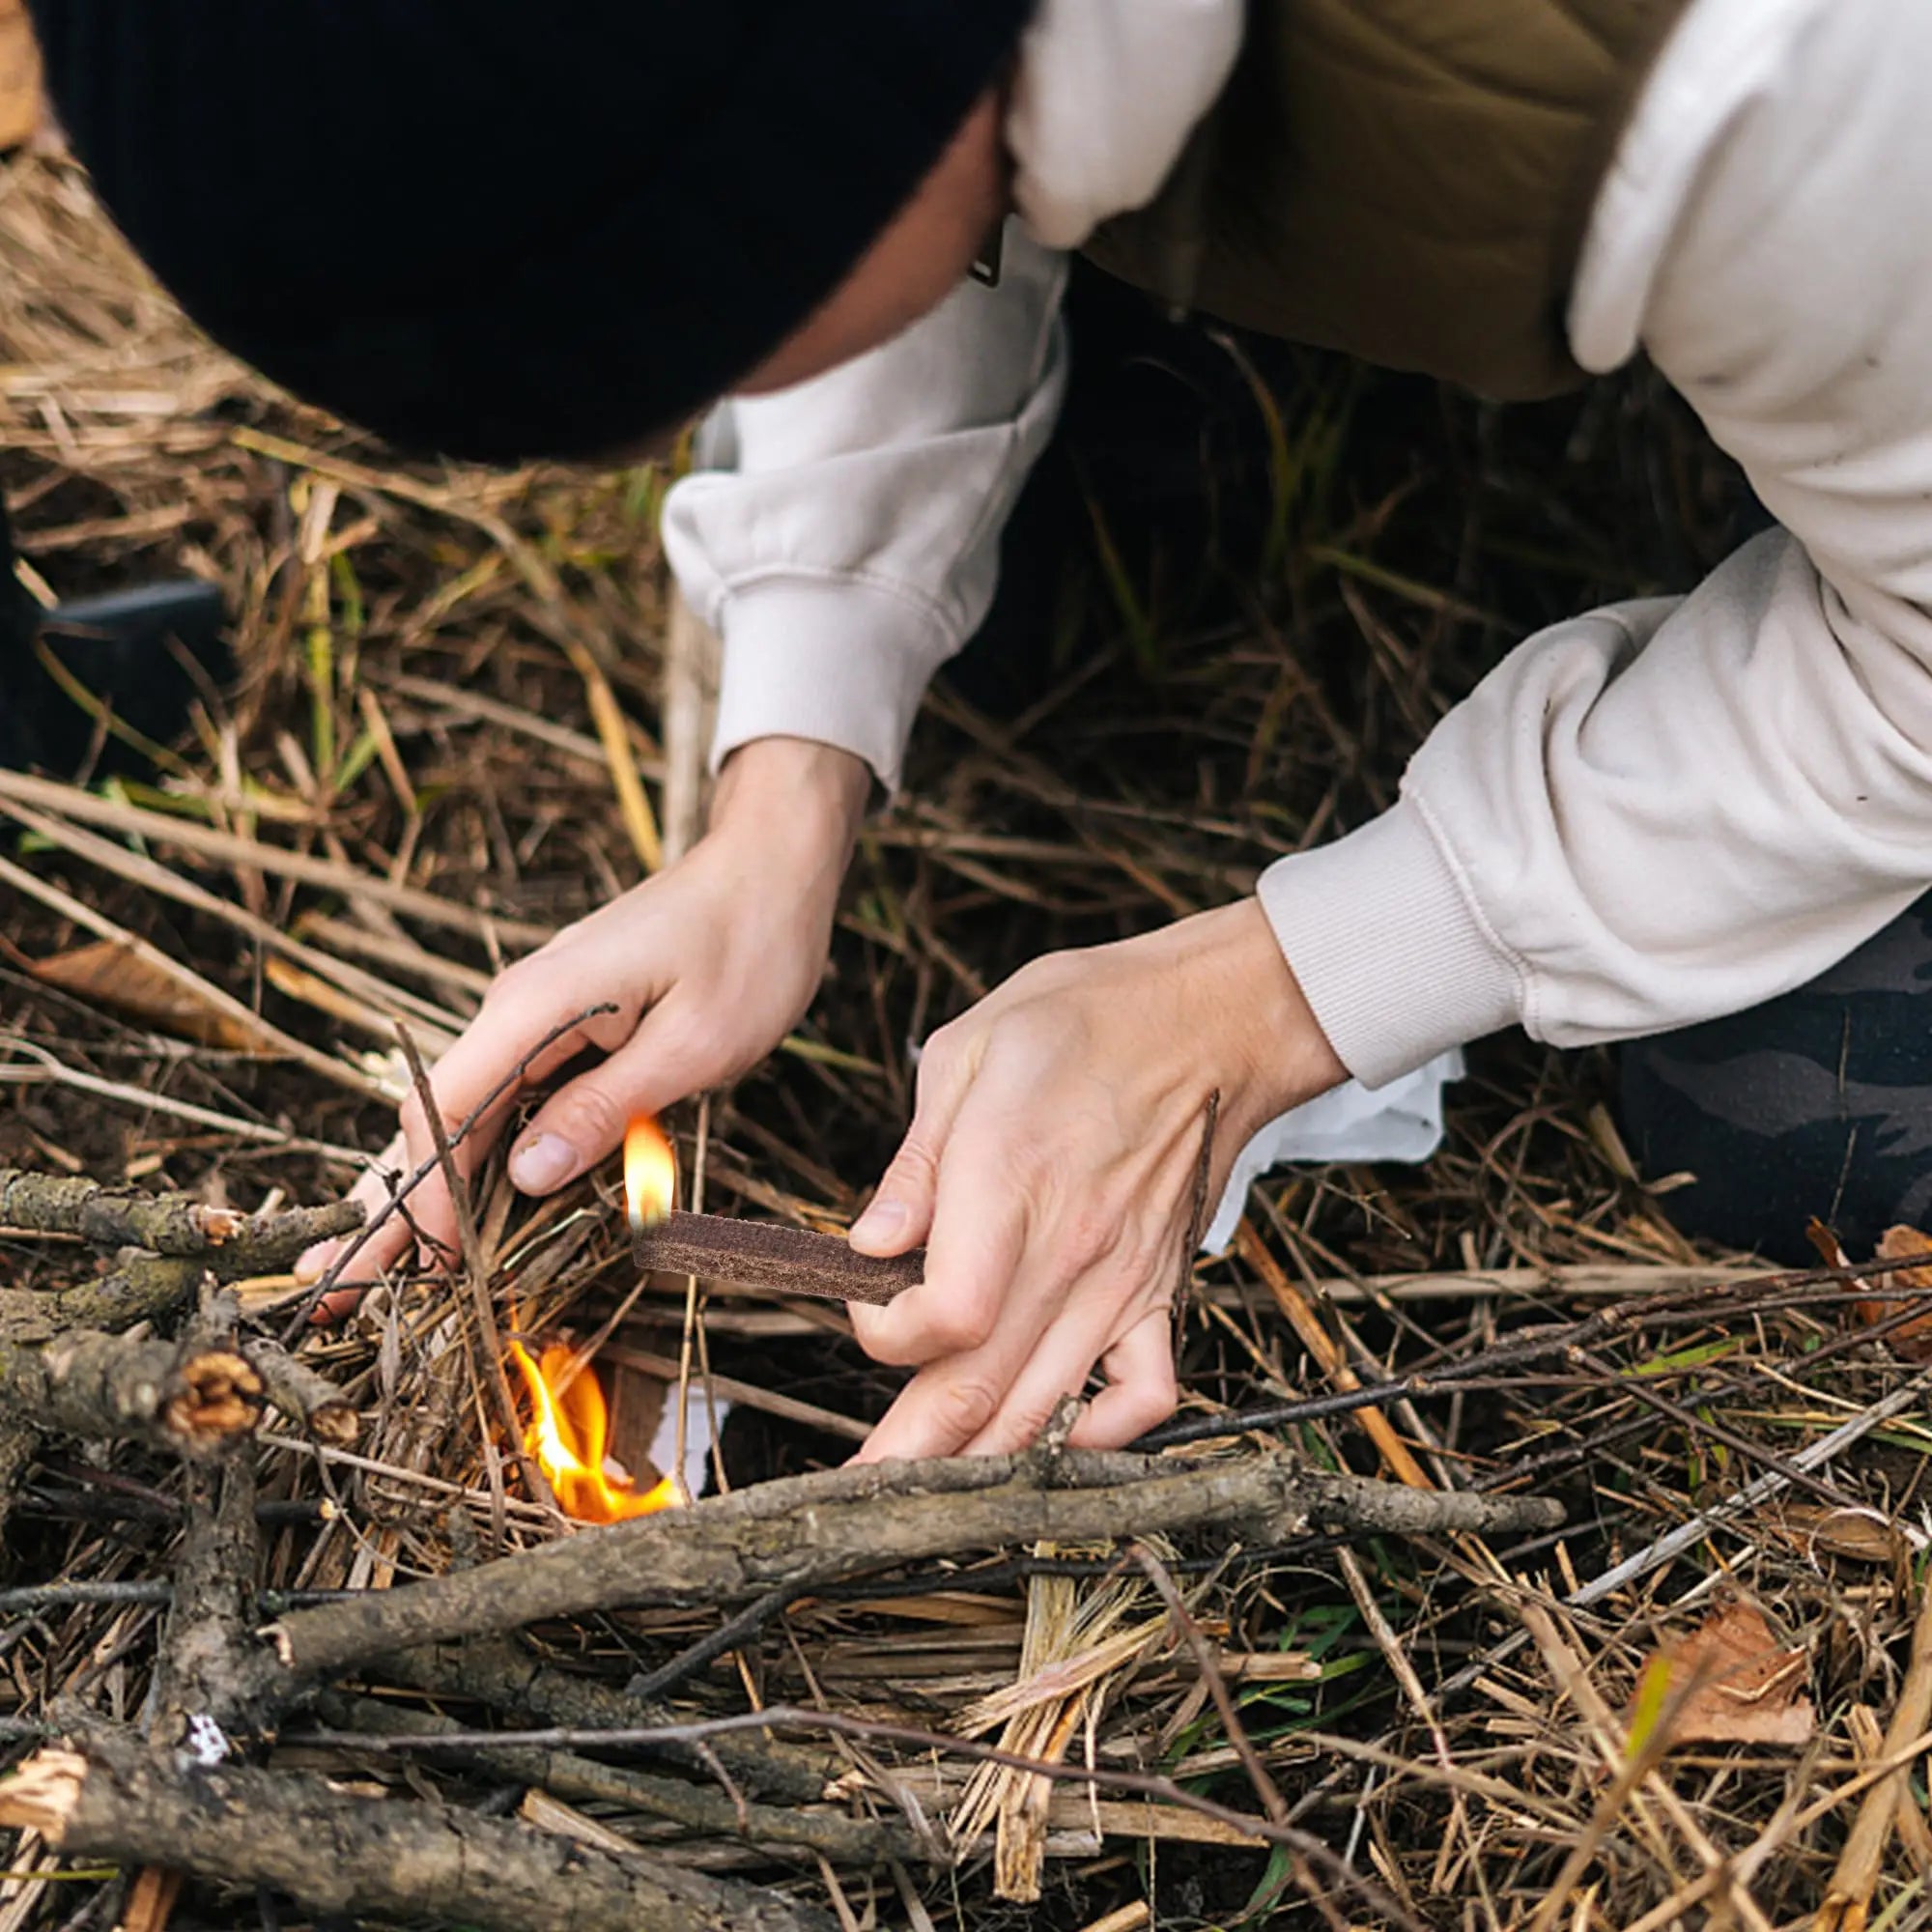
(205, 1640)
(761, 1254)
(812, 1530)
(231, 1243)
(189, 1399)
(364, 1857)
(146, 1286)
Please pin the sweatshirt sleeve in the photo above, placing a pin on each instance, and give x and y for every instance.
(842, 536)
(1670, 811)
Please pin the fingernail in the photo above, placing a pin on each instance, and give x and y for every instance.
(312, 1263)
(882, 1221)
(544, 1163)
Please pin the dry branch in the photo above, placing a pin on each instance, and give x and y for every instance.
(228, 1244)
(583, 1780)
(812, 1530)
(303, 1394)
(189, 1398)
(215, 1582)
(760, 1254)
(493, 1672)
(151, 1286)
(358, 1856)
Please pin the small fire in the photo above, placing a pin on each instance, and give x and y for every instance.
(568, 1430)
(650, 1173)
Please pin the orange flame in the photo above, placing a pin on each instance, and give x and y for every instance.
(568, 1430)
(650, 1173)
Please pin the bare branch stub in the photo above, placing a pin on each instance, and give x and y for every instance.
(303, 1394)
(190, 1398)
(103, 1796)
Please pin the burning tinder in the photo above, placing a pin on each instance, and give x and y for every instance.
(568, 1434)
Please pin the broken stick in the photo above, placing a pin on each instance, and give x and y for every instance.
(106, 1387)
(304, 1395)
(764, 1254)
(106, 1797)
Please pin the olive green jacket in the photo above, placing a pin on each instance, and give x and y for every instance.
(1404, 179)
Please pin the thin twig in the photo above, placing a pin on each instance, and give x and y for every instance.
(457, 1135)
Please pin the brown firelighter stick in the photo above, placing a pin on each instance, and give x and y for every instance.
(760, 1254)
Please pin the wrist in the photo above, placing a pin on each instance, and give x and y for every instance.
(1289, 1058)
(794, 793)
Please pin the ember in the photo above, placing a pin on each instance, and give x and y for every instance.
(650, 1173)
(569, 1428)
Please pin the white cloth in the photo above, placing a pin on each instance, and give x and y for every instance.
(1646, 816)
(1400, 1121)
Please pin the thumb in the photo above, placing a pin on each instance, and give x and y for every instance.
(899, 1215)
(670, 1056)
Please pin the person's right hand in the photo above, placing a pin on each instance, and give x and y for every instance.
(707, 965)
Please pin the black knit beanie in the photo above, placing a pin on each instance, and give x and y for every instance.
(502, 229)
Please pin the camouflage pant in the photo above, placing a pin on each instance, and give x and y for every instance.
(1817, 1103)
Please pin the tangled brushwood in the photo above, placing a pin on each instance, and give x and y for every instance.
(1511, 1563)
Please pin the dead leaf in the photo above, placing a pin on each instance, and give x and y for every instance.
(1911, 1340)
(1746, 1688)
(1862, 1535)
(110, 974)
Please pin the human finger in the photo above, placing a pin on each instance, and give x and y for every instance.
(899, 1215)
(978, 1239)
(1055, 1367)
(679, 1048)
(1141, 1391)
(506, 1050)
(372, 1192)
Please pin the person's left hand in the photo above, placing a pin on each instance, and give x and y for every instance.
(1051, 1169)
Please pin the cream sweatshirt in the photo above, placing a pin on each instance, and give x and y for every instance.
(1653, 815)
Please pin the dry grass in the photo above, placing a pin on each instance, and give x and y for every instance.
(410, 787)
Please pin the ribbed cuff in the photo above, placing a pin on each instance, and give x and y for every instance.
(835, 660)
(1387, 949)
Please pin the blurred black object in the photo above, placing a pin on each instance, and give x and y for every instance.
(135, 650)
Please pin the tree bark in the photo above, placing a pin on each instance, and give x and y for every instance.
(109, 1799)
(764, 1254)
(230, 1244)
(302, 1394)
(188, 1397)
(812, 1530)
(581, 1779)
